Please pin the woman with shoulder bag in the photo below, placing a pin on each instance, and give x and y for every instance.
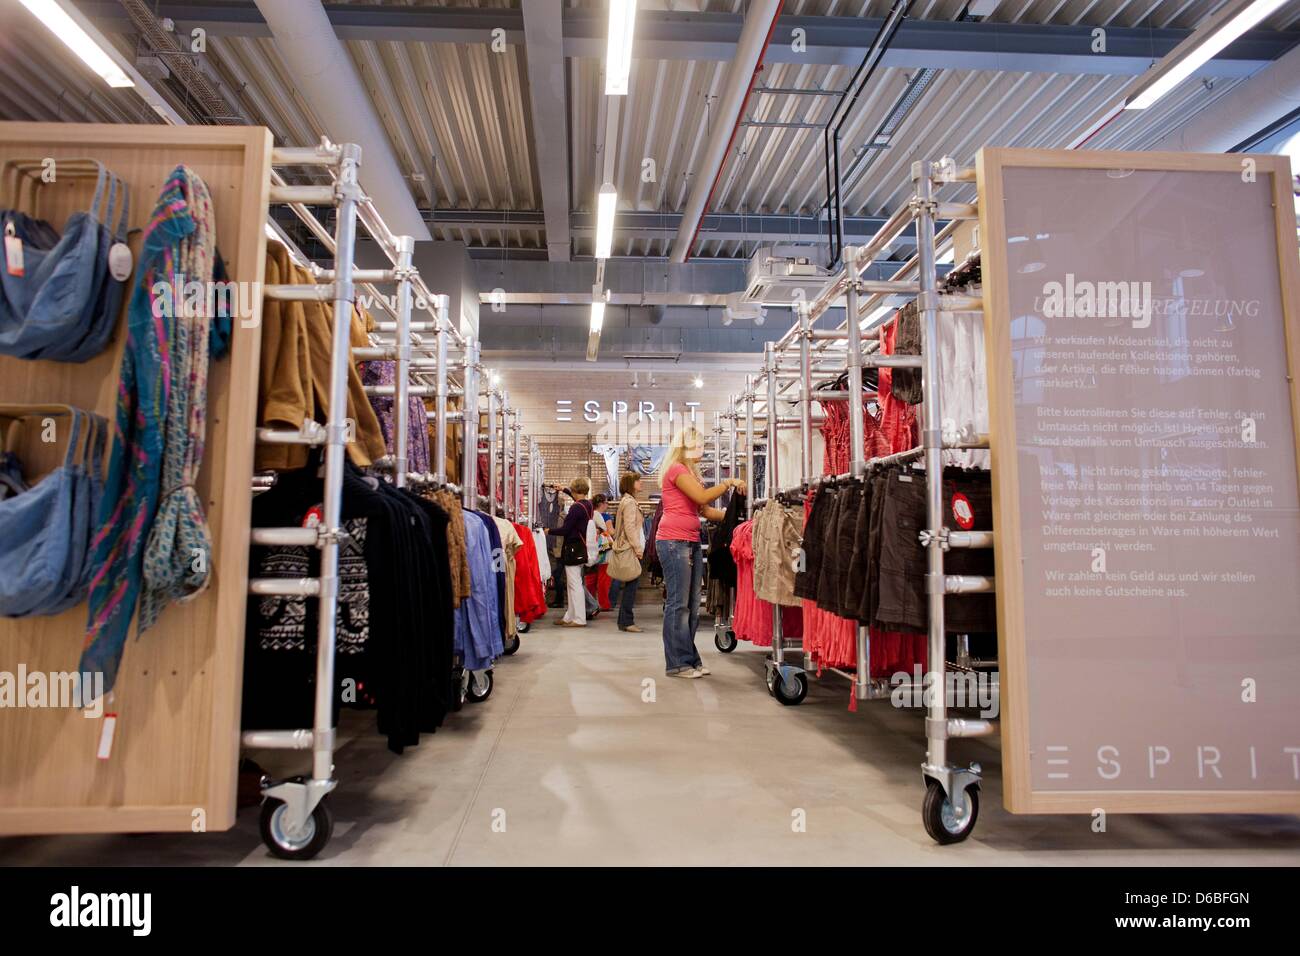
(573, 555)
(629, 551)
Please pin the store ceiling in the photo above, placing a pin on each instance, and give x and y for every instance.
(489, 160)
(462, 120)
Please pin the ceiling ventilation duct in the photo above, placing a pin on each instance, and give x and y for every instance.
(783, 275)
(328, 81)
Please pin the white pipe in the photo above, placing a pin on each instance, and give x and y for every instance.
(328, 81)
(759, 21)
(1270, 94)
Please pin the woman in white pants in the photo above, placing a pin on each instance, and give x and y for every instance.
(574, 528)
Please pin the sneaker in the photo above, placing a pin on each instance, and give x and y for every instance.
(704, 670)
(690, 673)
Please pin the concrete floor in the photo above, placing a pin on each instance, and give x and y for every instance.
(582, 771)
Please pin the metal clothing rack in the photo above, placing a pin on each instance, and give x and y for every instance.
(951, 804)
(296, 822)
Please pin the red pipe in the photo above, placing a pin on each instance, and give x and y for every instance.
(758, 68)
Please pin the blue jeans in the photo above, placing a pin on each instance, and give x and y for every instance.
(683, 564)
(622, 594)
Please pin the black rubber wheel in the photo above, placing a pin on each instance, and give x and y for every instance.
(771, 680)
(457, 690)
(476, 696)
(302, 846)
(510, 645)
(940, 821)
(725, 642)
(782, 693)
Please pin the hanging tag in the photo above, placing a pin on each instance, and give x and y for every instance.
(106, 733)
(962, 512)
(314, 517)
(13, 252)
(120, 261)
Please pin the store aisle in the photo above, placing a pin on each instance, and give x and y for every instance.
(574, 761)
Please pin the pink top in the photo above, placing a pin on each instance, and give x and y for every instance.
(681, 517)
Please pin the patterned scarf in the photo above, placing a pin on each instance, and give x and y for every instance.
(152, 544)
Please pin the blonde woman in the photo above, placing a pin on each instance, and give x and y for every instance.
(685, 500)
(574, 556)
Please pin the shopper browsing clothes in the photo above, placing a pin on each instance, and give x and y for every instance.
(685, 499)
(628, 536)
(573, 553)
(599, 541)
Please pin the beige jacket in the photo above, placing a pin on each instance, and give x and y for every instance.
(627, 524)
(778, 537)
(294, 380)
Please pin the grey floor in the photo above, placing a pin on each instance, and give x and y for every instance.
(566, 763)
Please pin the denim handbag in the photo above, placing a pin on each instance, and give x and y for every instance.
(62, 306)
(45, 531)
(87, 491)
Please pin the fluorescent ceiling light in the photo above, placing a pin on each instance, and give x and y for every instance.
(606, 205)
(597, 315)
(57, 20)
(618, 55)
(1244, 16)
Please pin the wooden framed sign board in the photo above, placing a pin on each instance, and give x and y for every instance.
(1142, 327)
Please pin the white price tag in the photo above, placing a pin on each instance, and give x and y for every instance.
(120, 261)
(13, 253)
(106, 736)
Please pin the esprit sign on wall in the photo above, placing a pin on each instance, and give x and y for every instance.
(595, 411)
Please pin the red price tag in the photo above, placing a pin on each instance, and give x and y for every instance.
(962, 512)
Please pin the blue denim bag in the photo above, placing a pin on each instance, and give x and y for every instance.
(64, 307)
(45, 531)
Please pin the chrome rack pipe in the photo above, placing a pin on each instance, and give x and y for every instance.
(731, 419)
(805, 394)
(285, 537)
(277, 739)
(932, 442)
(392, 390)
(322, 154)
(749, 446)
(301, 293)
(717, 448)
(440, 400)
(470, 413)
(772, 482)
(402, 370)
(285, 587)
(311, 433)
(315, 195)
(857, 424)
(492, 396)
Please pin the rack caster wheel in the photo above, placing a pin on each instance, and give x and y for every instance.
(771, 681)
(295, 846)
(511, 645)
(725, 642)
(781, 693)
(940, 820)
(478, 692)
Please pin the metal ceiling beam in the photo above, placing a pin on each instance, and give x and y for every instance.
(656, 225)
(546, 90)
(986, 45)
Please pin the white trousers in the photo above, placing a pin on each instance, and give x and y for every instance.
(576, 611)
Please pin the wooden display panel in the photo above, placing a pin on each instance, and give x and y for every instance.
(178, 690)
(1167, 665)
